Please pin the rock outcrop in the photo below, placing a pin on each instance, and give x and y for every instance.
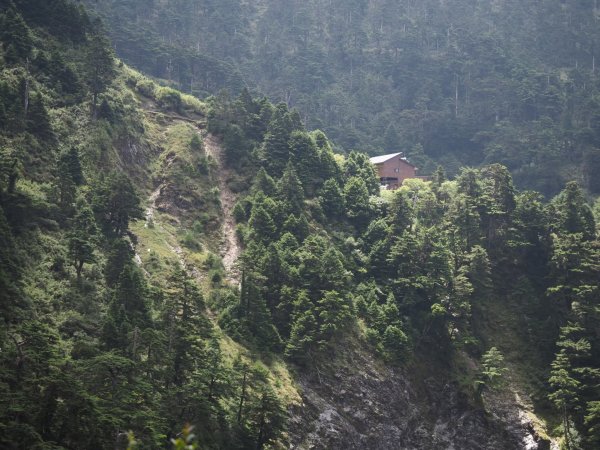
(364, 405)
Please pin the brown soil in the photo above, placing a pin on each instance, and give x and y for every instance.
(229, 248)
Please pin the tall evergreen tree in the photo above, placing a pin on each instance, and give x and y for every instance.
(82, 237)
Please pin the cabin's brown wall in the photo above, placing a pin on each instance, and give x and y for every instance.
(388, 170)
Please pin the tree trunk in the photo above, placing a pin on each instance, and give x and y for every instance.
(79, 269)
(566, 426)
(259, 440)
(26, 95)
(242, 399)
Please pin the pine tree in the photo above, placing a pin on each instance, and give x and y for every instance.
(38, 121)
(492, 368)
(261, 224)
(15, 35)
(305, 156)
(9, 271)
(331, 199)
(565, 391)
(304, 329)
(82, 237)
(358, 165)
(99, 66)
(70, 162)
(267, 417)
(263, 182)
(11, 167)
(574, 214)
(297, 226)
(334, 313)
(400, 214)
(118, 256)
(115, 203)
(328, 167)
(290, 190)
(276, 143)
(356, 198)
(69, 176)
(592, 421)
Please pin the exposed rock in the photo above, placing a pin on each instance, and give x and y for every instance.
(364, 406)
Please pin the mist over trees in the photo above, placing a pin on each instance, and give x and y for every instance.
(120, 323)
(456, 83)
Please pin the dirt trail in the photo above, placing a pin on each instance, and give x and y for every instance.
(151, 209)
(230, 248)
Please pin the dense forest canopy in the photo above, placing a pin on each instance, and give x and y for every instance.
(455, 82)
(210, 273)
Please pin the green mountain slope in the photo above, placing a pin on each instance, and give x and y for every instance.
(460, 83)
(105, 327)
(167, 261)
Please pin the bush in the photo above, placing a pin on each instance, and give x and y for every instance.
(190, 241)
(145, 87)
(169, 98)
(239, 214)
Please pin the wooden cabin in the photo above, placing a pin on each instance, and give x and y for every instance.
(393, 169)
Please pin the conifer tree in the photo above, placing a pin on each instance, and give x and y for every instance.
(331, 199)
(261, 224)
(119, 255)
(276, 143)
(400, 214)
(82, 237)
(305, 156)
(15, 36)
(267, 417)
(565, 391)
(38, 121)
(290, 190)
(356, 198)
(9, 273)
(264, 182)
(115, 203)
(334, 314)
(574, 215)
(69, 161)
(358, 165)
(99, 67)
(492, 368)
(304, 329)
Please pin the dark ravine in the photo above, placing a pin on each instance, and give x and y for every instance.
(364, 406)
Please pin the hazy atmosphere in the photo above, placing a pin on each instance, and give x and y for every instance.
(300, 224)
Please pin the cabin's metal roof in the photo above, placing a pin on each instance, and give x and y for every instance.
(384, 158)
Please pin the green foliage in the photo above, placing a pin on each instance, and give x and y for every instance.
(427, 272)
(574, 215)
(290, 190)
(115, 203)
(99, 67)
(356, 199)
(492, 368)
(82, 237)
(331, 199)
(16, 38)
(9, 271)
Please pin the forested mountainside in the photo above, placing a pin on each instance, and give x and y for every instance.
(459, 82)
(212, 274)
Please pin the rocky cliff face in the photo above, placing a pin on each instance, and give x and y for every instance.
(362, 405)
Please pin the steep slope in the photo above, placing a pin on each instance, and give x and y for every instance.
(102, 331)
(168, 261)
(362, 405)
(460, 83)
(230, 248)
